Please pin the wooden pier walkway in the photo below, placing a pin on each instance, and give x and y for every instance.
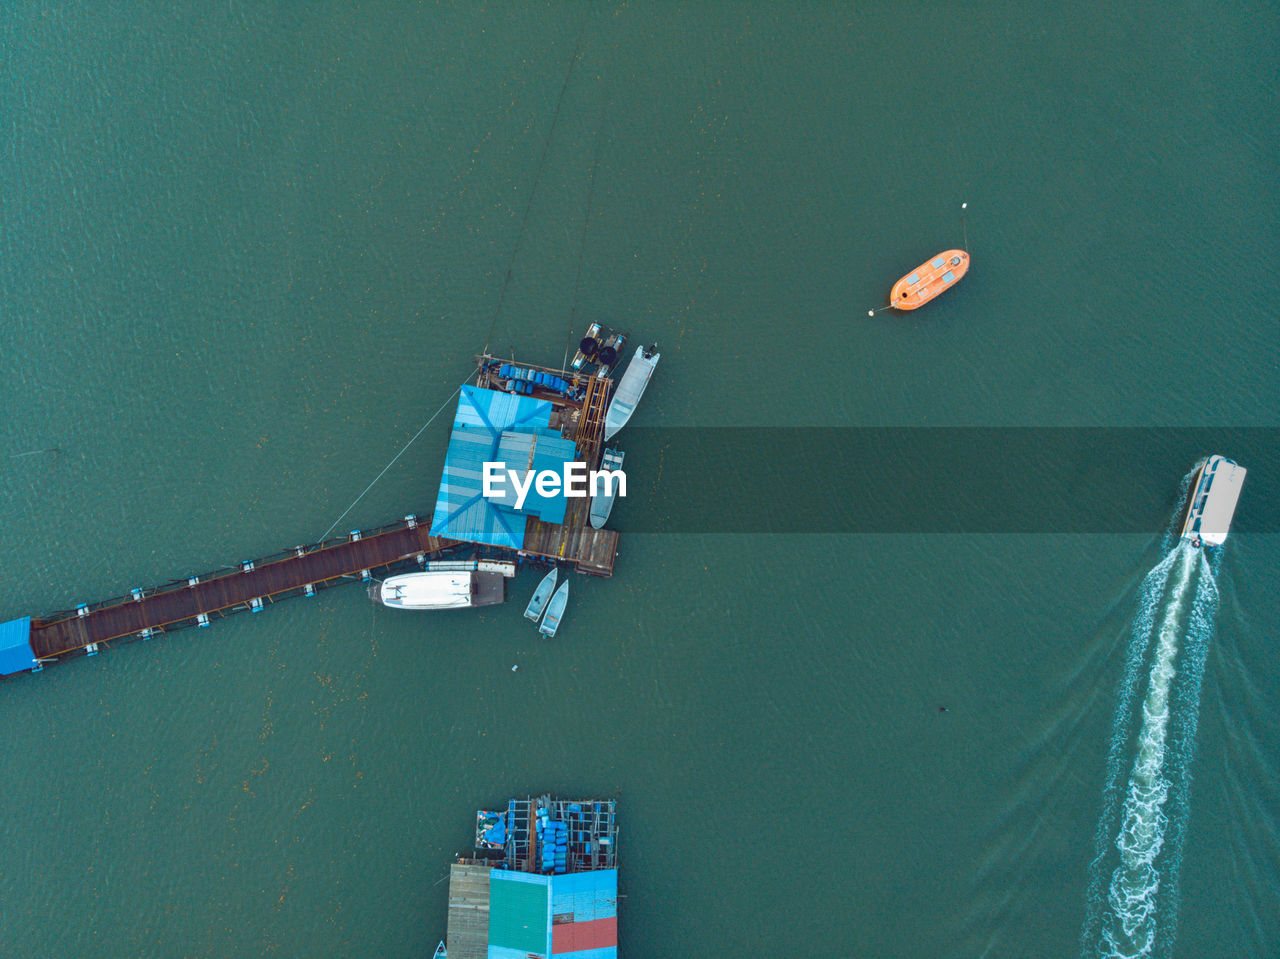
(194, 601)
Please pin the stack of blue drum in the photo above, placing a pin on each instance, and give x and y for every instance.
(521, 380)
(553, 838)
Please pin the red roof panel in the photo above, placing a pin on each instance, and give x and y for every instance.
(574, 936)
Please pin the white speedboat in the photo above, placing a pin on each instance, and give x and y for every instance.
(1213, 501)
(440, 589)
(630, 389)
(606, 490)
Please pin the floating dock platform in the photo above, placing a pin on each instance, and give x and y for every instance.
(543, 882)
(537, 415)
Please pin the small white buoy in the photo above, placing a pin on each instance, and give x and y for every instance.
(871, 312)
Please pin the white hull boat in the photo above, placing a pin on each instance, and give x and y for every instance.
(1213, 502)
(542, 595)
(555, 611)
(440, 589)
(606, 490)
(630, 388)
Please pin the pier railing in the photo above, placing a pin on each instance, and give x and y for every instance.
(249, 586)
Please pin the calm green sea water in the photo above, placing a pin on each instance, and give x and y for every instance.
(247, 249)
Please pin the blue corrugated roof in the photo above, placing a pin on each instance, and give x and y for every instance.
(492, 426)
(15, 646)
(587, 895)
(584, 915)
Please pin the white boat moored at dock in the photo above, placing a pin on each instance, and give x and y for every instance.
(542, 595)
(1214, 495)
(630, 388)
(606, 488)
(440, 589)
(551, 621)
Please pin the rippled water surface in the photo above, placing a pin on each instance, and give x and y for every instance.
(248, 249)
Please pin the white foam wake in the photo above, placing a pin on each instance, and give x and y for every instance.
(1139, 914)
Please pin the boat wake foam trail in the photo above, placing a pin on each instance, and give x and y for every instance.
(1171, 534)
(1139, 840)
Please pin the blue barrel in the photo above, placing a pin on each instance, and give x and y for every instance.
(505, 371)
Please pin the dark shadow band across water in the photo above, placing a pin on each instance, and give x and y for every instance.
(931, 479)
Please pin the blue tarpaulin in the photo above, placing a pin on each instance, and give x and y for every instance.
(497, 427)
(15, 646)
(497, 833)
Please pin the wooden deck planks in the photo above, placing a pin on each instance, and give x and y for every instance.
(468, 928)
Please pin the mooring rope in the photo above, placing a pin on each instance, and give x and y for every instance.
(396, 457)
(537, 178)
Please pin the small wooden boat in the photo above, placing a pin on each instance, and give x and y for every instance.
(551, 622)
(542, 595)
(928, 280)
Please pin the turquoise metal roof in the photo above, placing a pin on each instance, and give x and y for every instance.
(585, 896)
(15, 647)
(572, 916)
(496, 427)
(519, 921)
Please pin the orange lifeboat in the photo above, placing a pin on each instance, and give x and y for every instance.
(928, 280)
